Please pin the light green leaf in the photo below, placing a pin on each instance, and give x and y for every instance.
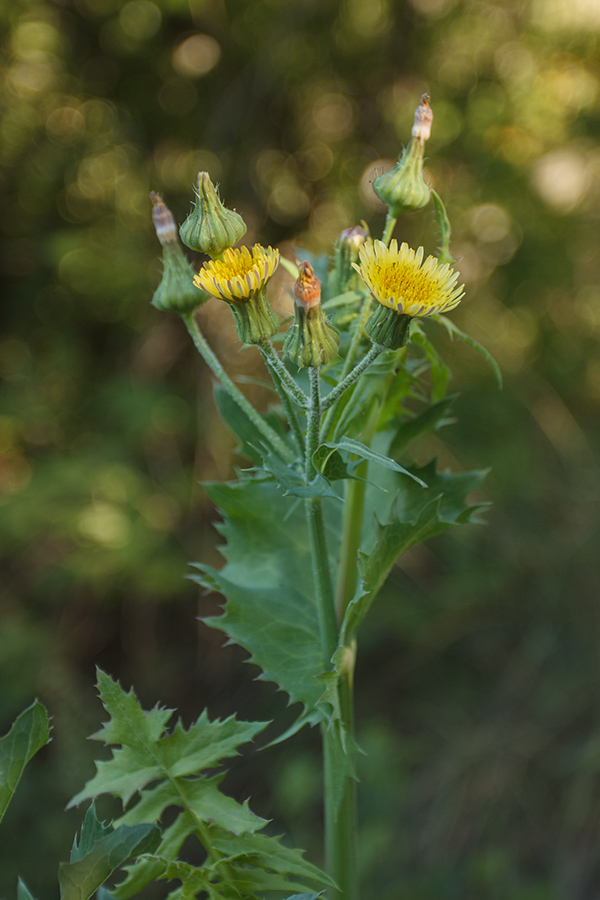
(367, 453)
(455, 332)
(267, 580)
(29, 733)
(414, 517)
(101, 850)
(444, 255)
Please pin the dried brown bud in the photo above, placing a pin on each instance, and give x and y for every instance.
(423, 118)
(162, 217)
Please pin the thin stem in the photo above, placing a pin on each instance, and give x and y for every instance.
(388, 230)
(359, 328)
(290, 410)
(201, 344)
(352, 376)
(272, 360)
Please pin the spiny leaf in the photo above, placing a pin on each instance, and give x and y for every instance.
(267, 580)
(455, 332)
(29, 733)
(148, 753)
(100, 851)
(294, 483)
(414, 517)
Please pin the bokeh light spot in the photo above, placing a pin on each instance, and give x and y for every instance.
(196, 56)
(140, 19)
(561, 178)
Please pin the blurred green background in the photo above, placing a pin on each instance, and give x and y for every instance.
(478, 671)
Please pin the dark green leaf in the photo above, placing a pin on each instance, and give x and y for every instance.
(440, 373)
(29, 733)
(432, 418)
(414, 516)
(101, 850)
(455, 332)
(267, 580)
(330, 464)
(23, 892)
(352, 446)
(253, 443)
(294, 483)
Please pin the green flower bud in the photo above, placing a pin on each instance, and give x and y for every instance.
(388, 328)
(176, 291)
(403, 188)
(210, 227)
(312, 340)
(343, 276)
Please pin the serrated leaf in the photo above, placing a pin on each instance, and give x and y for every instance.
(100, 851)
(455, 332)
(429, 420)
(148, 753)
(415, 516)
(352, 446)
(144, 871)
(28, 734)
(267, 852)
(267, 580)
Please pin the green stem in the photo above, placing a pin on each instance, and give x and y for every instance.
(388, 230)
(289, 410)
(201, 344)
(341, 837)
(272, 360)
(340, 819)
(359, 328)
(352, 376)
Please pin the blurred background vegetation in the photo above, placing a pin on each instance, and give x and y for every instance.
(477, 676)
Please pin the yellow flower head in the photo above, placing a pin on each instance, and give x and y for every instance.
(239, 274)
(400, 280)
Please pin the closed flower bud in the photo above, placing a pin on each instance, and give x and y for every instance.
(211, 228)
(343, 276)
(176, 291)
(312, 340)
(403, 188)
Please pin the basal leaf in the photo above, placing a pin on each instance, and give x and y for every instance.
(352, 446)
(29, 733)
(415, 516)
(100, 851)
(267, 580)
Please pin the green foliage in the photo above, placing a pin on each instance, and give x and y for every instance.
(29, 733)
(101, 850)
(164, 769)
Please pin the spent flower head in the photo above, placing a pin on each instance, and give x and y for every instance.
(403, 188)
(176, 291)
(311, 341)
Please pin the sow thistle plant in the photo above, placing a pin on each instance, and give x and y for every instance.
(311, 529)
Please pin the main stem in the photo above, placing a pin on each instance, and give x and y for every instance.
(340, 818)
(234, 392)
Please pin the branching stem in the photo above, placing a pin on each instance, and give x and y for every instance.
(274, 363)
